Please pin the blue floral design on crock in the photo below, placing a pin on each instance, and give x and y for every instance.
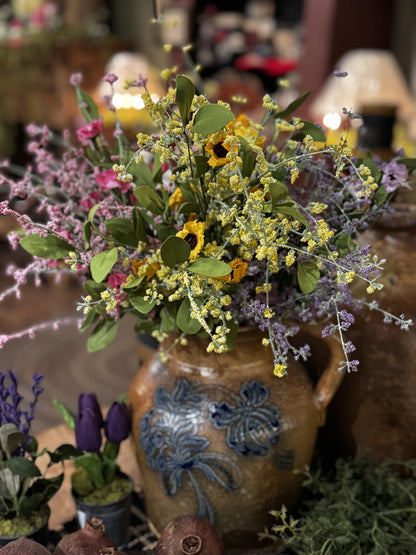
(252, 424)
(169, 437)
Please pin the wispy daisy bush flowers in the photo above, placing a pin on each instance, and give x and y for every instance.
(210, 223)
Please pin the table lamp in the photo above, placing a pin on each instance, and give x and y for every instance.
(365, 79)
(128, 103)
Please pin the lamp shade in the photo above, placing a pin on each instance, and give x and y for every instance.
(128, 103)
(372, 78)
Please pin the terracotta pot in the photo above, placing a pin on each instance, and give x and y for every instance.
(219, 435)
(375, 407)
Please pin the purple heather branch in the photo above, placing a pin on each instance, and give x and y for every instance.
(14, 289)
(33, 330)
(75, 79)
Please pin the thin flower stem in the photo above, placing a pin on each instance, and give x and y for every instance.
(383, 516)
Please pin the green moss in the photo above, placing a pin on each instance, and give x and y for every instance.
(109, 493)
(20, 526)
(352, 507)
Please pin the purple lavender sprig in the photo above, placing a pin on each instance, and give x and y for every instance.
(11, 411)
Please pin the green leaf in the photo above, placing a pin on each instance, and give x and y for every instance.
(202, 166)
(67, 415)
(188, 207)
(187, 192)
(168, 315)
(111, 450)
(410, 163)
(232, 334)
(10, 438)
(210, 267)
(39, 494)
(140, 304)
(211, 118)
(93, 467)
(311, 129)
(103, 334)
(23, 467)
(142, 173)
(185, 92)
(9, 483)
(292, 212)
(90, 318)
(94, 289)
(92, 212)
(86, 233)
(278, 192)
(49, 247)
(292, 106)
(165, 230)
(134, 283)
(122, 230)
(148, 198)
(64, 452)
(247, 156)
(380, 196)
(102, 263)
(174, 251)
(139, 225)
(156, 169)
(308, 276)
(368, 161)
(344, 244)
(87, 106)
(185, 322)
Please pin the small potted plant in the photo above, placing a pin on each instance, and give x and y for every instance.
(99, 488)
(24, 489)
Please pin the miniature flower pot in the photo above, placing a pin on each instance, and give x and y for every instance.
(219, 436)
(39, 534)
(375, 407)
(114, 516)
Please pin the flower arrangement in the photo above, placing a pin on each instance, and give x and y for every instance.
(210, 223)
(97, 477)
(24, 491)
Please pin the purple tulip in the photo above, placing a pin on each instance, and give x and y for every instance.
(89, 401)
(88, 431)
(117, 425)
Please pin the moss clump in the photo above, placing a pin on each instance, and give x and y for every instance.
(21, 526)
(109, 493)
(352, 507)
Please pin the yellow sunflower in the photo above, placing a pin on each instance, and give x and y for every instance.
(193, 233)
(218, 151)
(219, 145)
(176, 199)
(141, 267)
(239, 269)
(242, 127)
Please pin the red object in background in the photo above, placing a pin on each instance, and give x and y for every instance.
(273, 67)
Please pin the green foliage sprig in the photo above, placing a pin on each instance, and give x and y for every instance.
(354, 507)
(23, 488)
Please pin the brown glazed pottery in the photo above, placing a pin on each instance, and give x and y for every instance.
(219, 436)
(375, 407)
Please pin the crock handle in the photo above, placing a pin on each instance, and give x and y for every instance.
(332, 376)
